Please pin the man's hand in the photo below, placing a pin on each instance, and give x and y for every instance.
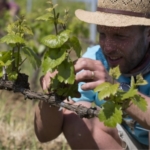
(94, 73)
(46, 80)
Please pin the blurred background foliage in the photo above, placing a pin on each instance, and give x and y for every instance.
(16, 114)
(32, 9)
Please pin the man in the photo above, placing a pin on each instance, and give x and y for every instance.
(123, 26)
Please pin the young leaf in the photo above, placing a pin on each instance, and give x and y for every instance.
(19, 28)
(11, 28)
(140, 80)
(12, 76)
(62, 91)
(110, 114)
(60, 21)
(68, 91)
(51, 9)
(12, 39)
(108, 90)
(53, 58)
(131, 93)
(102, 87)
(27, 30)
(56, 41)
(45, 17)
(140, 102)
(132, 82)
(8, 63)
(5, 55)
(2, 63)
(31, 56)
(115, 72)
(66, 72)
(55, 84)
(76, 45)
(73, 90)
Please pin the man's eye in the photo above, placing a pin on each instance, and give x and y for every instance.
(119, 35)
(102, 34)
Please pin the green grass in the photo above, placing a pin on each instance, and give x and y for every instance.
(16, 125)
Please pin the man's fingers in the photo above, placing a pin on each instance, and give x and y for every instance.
(84, 76)
(46, 83)
(88, 64)
(53, 74)
(90, 85)
(45, 80)
(87, 75)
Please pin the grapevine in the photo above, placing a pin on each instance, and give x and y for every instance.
(57, 54)
(57, 57)
(113, 110)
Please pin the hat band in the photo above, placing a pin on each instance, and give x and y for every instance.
(123, 12)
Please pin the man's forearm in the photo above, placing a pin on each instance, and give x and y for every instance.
(141, 117)
(48, 122)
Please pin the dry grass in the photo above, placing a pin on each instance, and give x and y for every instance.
(16, 126)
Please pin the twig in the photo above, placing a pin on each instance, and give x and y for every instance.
(51, 99)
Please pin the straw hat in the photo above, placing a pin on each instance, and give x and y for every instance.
(118, 13)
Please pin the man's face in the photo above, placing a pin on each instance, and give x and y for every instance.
(125, 46)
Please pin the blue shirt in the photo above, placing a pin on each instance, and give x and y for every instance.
(96, 53)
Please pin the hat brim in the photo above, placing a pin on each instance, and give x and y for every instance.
(109, 19)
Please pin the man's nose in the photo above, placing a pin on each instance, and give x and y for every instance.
(109, 45)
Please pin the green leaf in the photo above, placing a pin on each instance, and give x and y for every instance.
(55, 84)
(115, 72)
(71, 90)
(31, 56)
(66, 72)
(8, 63)
(19, 27)
(132, 82)
(56, 41)
(140, 80)
(10, 28)
(5, 56)
(53, 58)
(102, 87)
(51, 9)
(46, 17)
(12, 39)
(106, 89)
(60, 21)
(27, 30)
(62, 91)
(76, 45)
(131, 93)
(140, 102)
(2, 63)
(5, 60)
(5, 64)
(12, 76)
(110, 114)
(1, 73)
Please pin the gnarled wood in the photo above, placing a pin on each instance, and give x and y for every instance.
(51, 99)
